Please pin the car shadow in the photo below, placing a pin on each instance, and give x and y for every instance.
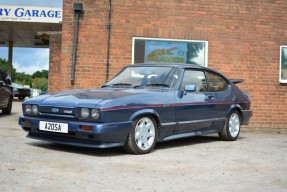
(118, 151)
(189, 141)
(5, 115)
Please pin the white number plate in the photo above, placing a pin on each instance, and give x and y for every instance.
(53, 127)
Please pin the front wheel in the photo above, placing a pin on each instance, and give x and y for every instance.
(231, 128)
(142, 137)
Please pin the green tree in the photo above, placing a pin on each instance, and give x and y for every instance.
(41, 74)
(4, 65)
(193, 50)
(40, 83)
(23, 79)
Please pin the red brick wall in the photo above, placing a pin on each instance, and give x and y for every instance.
(244, 39)
(55, 63)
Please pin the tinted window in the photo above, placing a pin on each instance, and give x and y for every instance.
(196, 78)
(216, 82)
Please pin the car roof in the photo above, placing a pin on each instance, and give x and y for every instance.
(177, 65)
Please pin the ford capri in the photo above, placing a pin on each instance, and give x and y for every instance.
(142, 105)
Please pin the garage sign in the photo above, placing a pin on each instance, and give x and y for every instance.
(30, 14)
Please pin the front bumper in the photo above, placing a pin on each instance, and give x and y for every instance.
(103, 135)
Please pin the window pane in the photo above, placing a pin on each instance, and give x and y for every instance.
(169, 51)
(216, 82)
(196, 78)
(283, 64)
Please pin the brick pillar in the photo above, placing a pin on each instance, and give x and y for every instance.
(55, 63)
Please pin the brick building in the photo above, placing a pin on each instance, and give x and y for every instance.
(242, 40)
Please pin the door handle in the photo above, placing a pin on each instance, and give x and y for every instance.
(210, 96)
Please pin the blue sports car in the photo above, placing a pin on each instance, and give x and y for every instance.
(142, 105)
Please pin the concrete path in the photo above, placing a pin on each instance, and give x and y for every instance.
(255, 162)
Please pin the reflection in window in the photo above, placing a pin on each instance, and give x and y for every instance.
(283, 64)
(146, 76)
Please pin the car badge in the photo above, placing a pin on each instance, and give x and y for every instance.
(55, 110)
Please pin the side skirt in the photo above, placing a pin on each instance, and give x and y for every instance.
(166, 132)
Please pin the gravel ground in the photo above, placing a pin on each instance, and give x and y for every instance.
(255, 162)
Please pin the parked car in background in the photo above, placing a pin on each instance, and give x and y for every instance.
(6, 93)
(20, 91)
(142, 105)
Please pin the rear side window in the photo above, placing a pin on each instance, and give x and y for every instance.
(216, 82)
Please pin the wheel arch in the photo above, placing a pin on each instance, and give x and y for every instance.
(235, 107)
(146, 112)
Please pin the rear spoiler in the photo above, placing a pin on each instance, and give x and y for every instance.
(235, 81)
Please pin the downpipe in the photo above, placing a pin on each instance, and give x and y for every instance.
(109, 26)
(78, 9)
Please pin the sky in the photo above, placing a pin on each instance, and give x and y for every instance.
(29, 60)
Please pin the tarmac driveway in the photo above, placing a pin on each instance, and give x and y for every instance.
(255, 162)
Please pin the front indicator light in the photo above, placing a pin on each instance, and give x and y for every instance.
(28, 122)
(86, 128)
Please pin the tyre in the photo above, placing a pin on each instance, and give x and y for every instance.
(8, 109)
(142, 137)
(231, 129)
(21, 98)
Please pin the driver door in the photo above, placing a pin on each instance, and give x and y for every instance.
(193, 109)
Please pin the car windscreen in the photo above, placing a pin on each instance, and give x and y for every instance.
(146, 76)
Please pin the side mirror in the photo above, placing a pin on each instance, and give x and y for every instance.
(189, 88)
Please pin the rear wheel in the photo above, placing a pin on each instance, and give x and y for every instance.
(142, 137)
(231, 128)
(8, 109)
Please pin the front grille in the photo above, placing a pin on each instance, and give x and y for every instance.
(57, 112)
(57, 116)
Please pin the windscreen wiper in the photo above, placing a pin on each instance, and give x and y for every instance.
(158, 85)
(117, 84)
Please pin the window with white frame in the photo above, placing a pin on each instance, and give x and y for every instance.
(283, 64)
(152, 50)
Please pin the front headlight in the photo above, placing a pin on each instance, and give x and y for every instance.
(85, 113)
(28, 109)
(89, 114)
(35, 109)
(95, 113)
(31, 109)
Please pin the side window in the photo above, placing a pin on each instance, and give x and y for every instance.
(216, 82)
(196, 78)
